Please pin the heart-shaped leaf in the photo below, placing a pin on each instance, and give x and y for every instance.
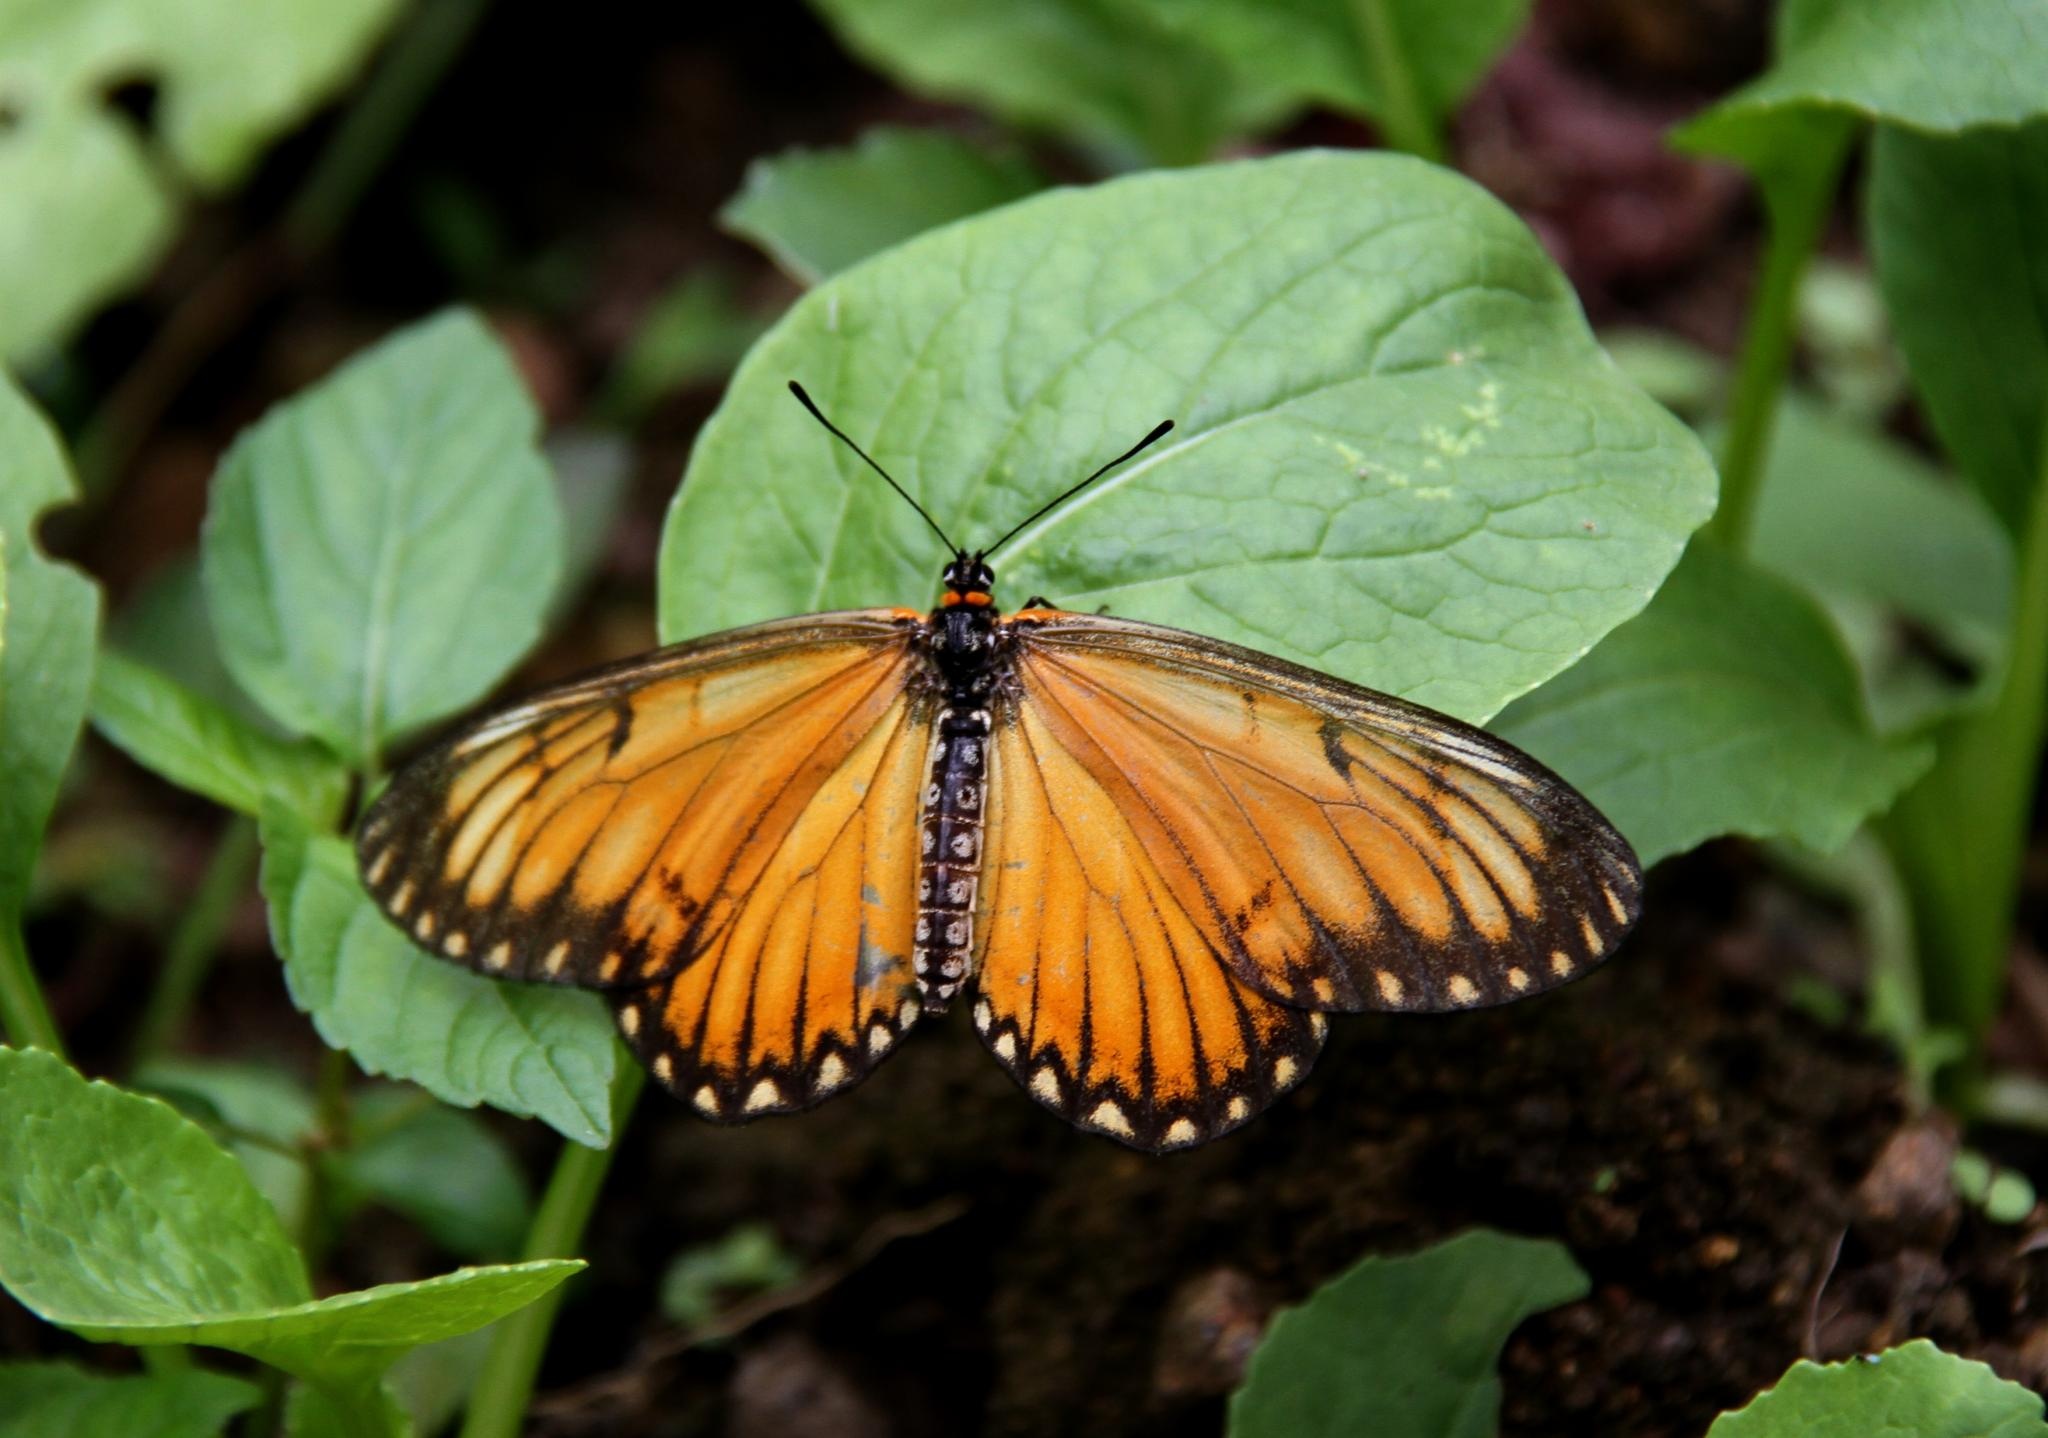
(1400, 456)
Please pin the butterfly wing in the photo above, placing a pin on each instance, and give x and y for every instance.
(721, 834)
(1326, 847)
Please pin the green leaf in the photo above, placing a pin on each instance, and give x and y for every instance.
(529, 1049)
(380, 549)
(1104, 72)
(817, 212)
(693, 333)
(58, 1400)
(121, 1221)
(1400, 458)
(200, 745)
(1914, 1388)
(86, 199)
(438, 1166)
(48, 615)
(258, 1112)
(1403, 1347)
(1726, 707)
(164, 624)
(1956, 226)
(1326, 50)
(748, 1259)
(1941, 65)
(1911, 565)
(117, 1213)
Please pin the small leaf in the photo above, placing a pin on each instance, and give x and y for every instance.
(693, 333)
(380, 549)
(1323, 50)
(1915, 1388)
(1106, 74)
(1941, 65)
(817, 212)
(58, 1400)
(199, 745)
(1726, 707)
(440, 1167)
(46, 644)
(1403, 1347)
(86, 199)
(528, 1049)
(1911, 566)
(1955, 227)
(1400, 456)
(748, 1259)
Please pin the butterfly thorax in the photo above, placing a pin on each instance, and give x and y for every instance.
(963, 644)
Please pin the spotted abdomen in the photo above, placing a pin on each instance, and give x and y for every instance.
(951, 845)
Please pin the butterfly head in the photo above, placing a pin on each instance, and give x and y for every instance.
(968, 580)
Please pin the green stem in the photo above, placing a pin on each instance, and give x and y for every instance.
(504, 1386)
(22, 1010)
(1403, 120)
(1797, 199)
(379, 118)
(1960, 833)
(195, 942)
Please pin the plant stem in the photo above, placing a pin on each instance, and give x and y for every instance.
(1960, 833)
(1403, 120)
(1797, 198)
(22, 1010)
(196, 941)
(504, 1386)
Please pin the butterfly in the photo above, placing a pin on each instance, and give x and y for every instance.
(1149, 863)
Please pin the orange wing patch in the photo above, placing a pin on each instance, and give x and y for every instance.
(1097, 990)
(1339, 849)
(721, 834)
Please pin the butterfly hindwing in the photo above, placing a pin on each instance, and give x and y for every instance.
(1098, 991)
(722, 835)
(1339, 849)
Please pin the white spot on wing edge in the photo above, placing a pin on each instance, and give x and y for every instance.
(1595, 945)
(1045, 1085)
(1463, 990)
(1560, 962)
(831, 1073)
(1239, 1109)
(1285, 1071)
(1615, 905)
(1108, 1116)
(500, 956)
(1391, 989)
(629, 1019)
(557, 956)
(1005, 1046)
(983, 1015)
(379, 866)
(663, 1067)
(1182, 1131)
(762, 1096)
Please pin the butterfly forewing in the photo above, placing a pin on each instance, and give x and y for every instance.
(721, 834)
(1338, 849)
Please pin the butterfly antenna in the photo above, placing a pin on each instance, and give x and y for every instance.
(1158, 432)
(840, 434)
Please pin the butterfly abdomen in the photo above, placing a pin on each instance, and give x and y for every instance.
(950, 870)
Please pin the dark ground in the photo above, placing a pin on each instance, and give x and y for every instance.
(1709, 1151)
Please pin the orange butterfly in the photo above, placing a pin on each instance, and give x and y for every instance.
(1149, 861)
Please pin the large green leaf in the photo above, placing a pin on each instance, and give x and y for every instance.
(529, 1049)
(1340, 51)
(1913, 1389)
(260, 1113)
(381, 549)
(1956, 227)
(58, 1400)
(1106, 72)
(1400, 456)
(1403, 1347)
(1726, 707)
(121, 1221)
(818, 212)
(202, 746)
(1939, 65)
(86, 199)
